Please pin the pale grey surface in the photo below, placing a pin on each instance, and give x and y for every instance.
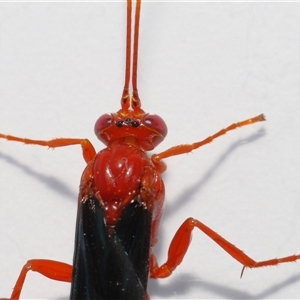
(202, 67)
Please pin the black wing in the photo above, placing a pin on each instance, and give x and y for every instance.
(111, 267)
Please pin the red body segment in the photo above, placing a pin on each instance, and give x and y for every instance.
(119, 174)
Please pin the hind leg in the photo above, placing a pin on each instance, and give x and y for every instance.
(52, 269)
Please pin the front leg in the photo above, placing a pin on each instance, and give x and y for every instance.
(88, 151)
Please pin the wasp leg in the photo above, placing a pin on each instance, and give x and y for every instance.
(180, 244)
(52, 269)
(88, 150)
(186, 148)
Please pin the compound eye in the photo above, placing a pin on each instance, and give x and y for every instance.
(156, 123)
(103, 122)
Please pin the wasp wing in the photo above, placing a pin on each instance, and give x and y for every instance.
(112, 266)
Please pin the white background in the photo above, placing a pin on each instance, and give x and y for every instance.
(202, 66)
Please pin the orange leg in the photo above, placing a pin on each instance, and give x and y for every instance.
(180, 244)
(52, 269)
(88, 150)
(186, 148)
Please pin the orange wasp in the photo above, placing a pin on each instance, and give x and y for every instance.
(127, 134)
